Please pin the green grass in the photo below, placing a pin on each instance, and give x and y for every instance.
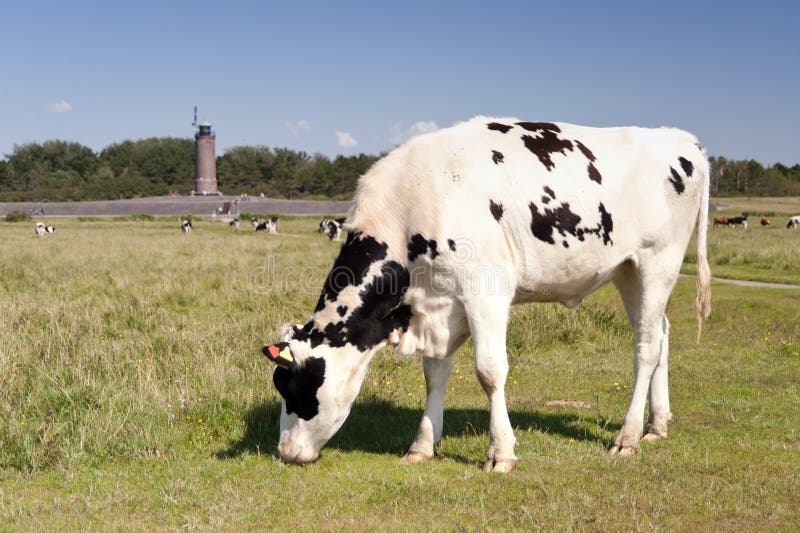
(105, 326)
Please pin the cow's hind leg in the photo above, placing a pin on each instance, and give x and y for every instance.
(660, 413)
(644, 294)
(488, 323)
(437, 371)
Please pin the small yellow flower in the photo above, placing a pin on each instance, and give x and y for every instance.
(409, 394)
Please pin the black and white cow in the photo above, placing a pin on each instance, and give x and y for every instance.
(794, 222)
(738, 221)
(40, 229)
(452, 228)
(186, 227)
(332, 227)
(268, 225)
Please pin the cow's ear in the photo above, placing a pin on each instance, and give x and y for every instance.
(280, 354)
(288, 331)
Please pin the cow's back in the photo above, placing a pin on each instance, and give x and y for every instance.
(559, 203)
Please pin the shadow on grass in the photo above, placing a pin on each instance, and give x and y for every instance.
(379, 426)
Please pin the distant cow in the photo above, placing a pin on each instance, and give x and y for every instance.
(764, 221)
(720, 221)
(738, 221)
(270, 225)
(794, 222)
(234, 224)
(186, 227)
(332, 228)
(40, 229)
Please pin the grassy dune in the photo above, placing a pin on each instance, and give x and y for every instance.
(133, 397)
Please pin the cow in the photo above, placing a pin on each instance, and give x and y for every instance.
(234, 224)
(720, 221)
(450, 229)
(764, 221)
(738, 221)
(40, 229)
(794, 222)
(332, 228)
(186, 227)
(269, 225)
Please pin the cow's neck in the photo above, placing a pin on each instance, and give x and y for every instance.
(362, 299)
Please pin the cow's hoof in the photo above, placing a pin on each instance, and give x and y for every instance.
(623, 451)
(415, 457)
(501, 466)
(653, 434)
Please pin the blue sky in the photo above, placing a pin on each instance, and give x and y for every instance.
(362, 76)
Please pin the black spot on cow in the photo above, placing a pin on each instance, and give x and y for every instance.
(677, 181)
(419, 245)
(496, 126)
(545, 145)
(585, 151)
(550, 192)
(299, 385)
(545, 199)
(342, 310)
(607, 224)
(539, 126)
(686, 165)
(452, 244)
(358, 253)
(497, 157)
(594, 174)
(562, 219)
(496, 209)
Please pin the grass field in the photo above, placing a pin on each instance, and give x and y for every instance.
(133, 397)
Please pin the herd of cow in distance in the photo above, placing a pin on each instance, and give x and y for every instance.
(332, 227)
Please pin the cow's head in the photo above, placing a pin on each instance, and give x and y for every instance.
(320, 366)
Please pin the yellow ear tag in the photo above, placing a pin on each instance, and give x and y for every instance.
(286, 355)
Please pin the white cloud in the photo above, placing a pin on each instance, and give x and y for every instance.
(345, 140)
(298, 127)
(62, 106)
(399, 133)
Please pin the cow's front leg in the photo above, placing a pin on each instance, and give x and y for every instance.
(488, 325)
(437, 371)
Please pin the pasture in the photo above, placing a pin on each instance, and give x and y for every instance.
(133, 396)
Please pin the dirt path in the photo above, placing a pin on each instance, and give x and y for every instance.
(177, 205)
(745, 283)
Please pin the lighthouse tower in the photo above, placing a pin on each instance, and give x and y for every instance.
(205, 163)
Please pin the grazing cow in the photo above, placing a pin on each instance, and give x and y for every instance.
(794, 222)
(720, 221)
(186, 227)
(453, 227)
(332, 228)
(234, 224)
(269, 225)
(40, 229)
(764, 221)
(738, 221)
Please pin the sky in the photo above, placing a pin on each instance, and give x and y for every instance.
(351, 77)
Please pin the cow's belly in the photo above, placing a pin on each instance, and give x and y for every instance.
(568, 276)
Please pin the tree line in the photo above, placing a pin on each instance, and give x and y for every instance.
(61, 170)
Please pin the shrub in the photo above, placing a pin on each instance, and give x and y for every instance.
(17, 216)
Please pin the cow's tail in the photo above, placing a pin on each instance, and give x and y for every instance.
(703, 270)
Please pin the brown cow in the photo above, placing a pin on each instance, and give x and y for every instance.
(764, 221)
(720, 221)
